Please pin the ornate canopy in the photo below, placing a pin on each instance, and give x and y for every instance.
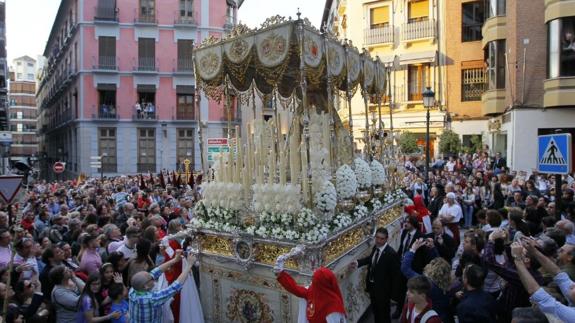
(280, 55)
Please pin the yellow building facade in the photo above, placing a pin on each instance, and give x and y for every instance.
(423, 49)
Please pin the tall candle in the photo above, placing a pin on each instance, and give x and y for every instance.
(259, 180)
(326, 139)
(272, 165)
(304, 182)
(282, 166)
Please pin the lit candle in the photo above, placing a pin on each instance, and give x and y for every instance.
(326, 139)
(257, 169)
(282, 166)
(239, 157)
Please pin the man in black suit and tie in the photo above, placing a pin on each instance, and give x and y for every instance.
(382, 274)
(408, 236)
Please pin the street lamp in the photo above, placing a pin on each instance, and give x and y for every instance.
(428, 103)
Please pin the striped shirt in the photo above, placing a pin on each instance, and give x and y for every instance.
(146, 307)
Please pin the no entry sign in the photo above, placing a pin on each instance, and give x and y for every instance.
(59, 167)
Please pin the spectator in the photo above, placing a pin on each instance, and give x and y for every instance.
(66, 294)
(443, 242)
(450, 214)
(90, 259)
(418, 309)
(88, 310)
(475, 305)
(145, 305)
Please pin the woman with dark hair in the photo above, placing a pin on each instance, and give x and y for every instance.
(530, 188)
(532, 217)
(26, 303)
(89, 305)
(142, 262)
(498, 197)
(52, 257)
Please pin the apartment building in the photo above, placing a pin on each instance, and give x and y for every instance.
(119, 83)
(407, 37)
(22, 109)
(530, 73)
(465, 68)
(5, 135)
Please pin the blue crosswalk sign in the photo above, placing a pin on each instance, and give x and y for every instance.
(554, 154)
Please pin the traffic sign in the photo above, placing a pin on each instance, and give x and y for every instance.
(217, 146)
(9, 187)
(554, 154)
(59, 167)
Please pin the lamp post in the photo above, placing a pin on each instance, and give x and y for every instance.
(428, 103)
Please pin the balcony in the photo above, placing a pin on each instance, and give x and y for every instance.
(185, 65)
(107, 112)
(418, 30)
(148, 18)
(493, 102)
(106, 14)
(559, 92)
(144, 168)
(185, 115)
(107, 63)
(146, 64)
(145, 115)
(189, 20)
(558, 8)
(493, 29)
(380, 35)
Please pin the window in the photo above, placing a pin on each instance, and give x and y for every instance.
(19, 127)
(185, 48)
(146, 150)
(19, 76)
(30, 77)
(378, 17)
(495, 61)
(185, 147)
(19, 115)
(472, 19)
(18, 63)
(185, 103)
(186, 8)
(147, 8)
(107, 147)
(495, 8)
(30, 65)
(561, 47)
(418, 80)
(418, 10)
(107, 53)
(107, 101)
(472, 84)
(146, 54)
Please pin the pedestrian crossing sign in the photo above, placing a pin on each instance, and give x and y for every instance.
(554, 154)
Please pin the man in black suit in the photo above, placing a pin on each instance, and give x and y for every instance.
(443, 242)
(382, 274)
(435, 200)
(408, 236)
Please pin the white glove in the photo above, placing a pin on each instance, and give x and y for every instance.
(279, 266)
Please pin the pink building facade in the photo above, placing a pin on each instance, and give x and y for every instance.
(118, 82)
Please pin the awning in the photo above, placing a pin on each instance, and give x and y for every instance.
(185, 89)
(418, 58)
(146, 88)
(106, 87)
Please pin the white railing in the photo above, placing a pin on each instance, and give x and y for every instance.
(418, 30)
(381, 35)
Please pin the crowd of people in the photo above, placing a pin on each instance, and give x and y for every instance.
(479, 243)
(68, 252)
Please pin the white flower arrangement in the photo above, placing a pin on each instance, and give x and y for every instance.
(393, 196)
(316, 234)
(282, 219)
(326, 198)
(346, 182)
(377, 205)
(276, 198)
(306, 219)
(360, 212)
(377, 173)
(362, 173)
(341, 220)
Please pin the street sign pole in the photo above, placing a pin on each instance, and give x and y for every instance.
(558, 197)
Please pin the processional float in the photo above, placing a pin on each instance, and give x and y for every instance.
(295, 178)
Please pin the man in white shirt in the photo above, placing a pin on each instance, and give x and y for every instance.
(128, 248)
(450, 214)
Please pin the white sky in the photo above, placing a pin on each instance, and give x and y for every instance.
(254, 12)
(28, 25)
(28, 22)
